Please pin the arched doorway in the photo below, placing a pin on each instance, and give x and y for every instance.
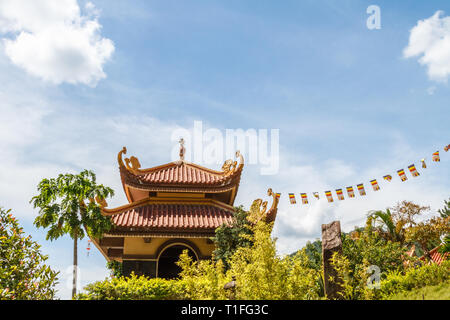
(167, 268)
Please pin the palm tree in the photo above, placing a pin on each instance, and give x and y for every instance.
(67, 205)
(445, 212)
(390, 229)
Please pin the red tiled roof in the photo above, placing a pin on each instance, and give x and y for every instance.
(174, 216)
(181, 178)
(436, 256)
(183, 173)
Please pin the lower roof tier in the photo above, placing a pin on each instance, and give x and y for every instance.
(175, 217)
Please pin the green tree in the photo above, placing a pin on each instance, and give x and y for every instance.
(116, 268)
(446, 245)
(262, 274)
(314, 252)
(406, 211)
(229, 238)
(386, 226)
(445, 212)
(428, 233)
(359, 252)
(23, 274)
(70, 205)
(259, 271)
(392, 223)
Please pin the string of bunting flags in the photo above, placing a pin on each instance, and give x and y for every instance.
(360, 187)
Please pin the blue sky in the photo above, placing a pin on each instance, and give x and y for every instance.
(349, 104)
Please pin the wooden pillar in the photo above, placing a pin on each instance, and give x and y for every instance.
(331, 242)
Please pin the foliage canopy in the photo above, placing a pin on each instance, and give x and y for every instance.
(23, 272)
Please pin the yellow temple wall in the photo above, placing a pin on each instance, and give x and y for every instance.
(137, 246)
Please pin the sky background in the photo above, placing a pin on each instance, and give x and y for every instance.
(81, 79)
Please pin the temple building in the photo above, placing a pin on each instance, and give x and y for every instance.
(171, 208)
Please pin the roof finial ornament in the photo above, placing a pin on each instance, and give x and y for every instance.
(119, 156)
(182, 149)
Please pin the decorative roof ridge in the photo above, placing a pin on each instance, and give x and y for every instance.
(133, 165)
(168, 201)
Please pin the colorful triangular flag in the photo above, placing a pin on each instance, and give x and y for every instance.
(375, 185)
(436, 157)
(350, 192)
(412, 169)
(304, 198)
(292, 198)
(329, 196)
(361, 189)
(340, 194)
(402, 175)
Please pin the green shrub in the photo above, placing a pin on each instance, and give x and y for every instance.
(259, 272)
(23, 272)
(204, 279)
(414, 278)
(358, 255)
(437, 292)
(134, 288)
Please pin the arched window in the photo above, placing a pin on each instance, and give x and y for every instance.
(168, 257)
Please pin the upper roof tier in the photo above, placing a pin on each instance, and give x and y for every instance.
(179, 176)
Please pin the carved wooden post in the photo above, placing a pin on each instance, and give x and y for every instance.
(331, 242)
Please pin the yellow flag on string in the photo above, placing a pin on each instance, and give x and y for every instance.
(292, 198)
(402, 174)
(304, 198)
(278, 195)
(388, 177)
(412, 169)
(329, 196)
(361, 189)
(424, 165)
(316, 194)
(375, 185)
(350, 192)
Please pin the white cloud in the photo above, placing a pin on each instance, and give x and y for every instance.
(430, 40)
(53, 41)
(38, 141)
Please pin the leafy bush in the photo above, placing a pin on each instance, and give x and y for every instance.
(370, 246)
(437, 292)
(134, 288)
(414, 278)
(23, 274)
(361, 250)
(203, 279)
(259, 272)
